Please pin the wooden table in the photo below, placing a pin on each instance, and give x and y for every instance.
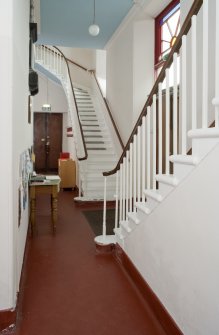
(50, 187)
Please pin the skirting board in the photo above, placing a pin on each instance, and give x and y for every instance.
(163, 317)
(7, 319)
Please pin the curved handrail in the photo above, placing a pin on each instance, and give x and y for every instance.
(104, 100)
(81, 131)
(175, 49)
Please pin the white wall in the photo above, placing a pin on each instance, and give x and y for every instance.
(84, 57)
(15, 137)
(179, 253)
(51, 91)
(119, 76)
(143, 64)
(130, 66)
(101, 69)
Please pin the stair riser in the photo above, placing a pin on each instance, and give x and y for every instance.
(151, 203)
(182, 170)
(98, 145)
(165, 189)
(132, 224)
(141, 215)
(201, 146)
(98, 185)
(119, 238)
(98, 195)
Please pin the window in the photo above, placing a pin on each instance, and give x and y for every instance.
(167, 27)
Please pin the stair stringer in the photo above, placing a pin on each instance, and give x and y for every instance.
(180, 244)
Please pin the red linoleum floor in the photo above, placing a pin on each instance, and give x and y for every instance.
(69, 289)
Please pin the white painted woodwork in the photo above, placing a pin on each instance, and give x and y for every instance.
(184, 97)
(205, 66)
(175, 108)
(148, 147)
(143, 155)
(167, 139)
(194, 73)
(154, 110)
(139, 164)
(160, 125)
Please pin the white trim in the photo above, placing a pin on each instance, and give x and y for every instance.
(137, 6)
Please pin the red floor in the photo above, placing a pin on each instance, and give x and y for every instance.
(69, 289)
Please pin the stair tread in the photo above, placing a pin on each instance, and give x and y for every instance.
(184, 159)
(167, 179)
(204, 133)
(134, 217)
(143, 207)
(154, 194)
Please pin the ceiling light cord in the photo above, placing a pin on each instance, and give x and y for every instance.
(94, 12)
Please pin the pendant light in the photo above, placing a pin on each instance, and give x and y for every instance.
(94, 29)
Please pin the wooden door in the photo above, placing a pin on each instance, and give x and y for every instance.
(47, 141)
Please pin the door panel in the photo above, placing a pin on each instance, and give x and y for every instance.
(54, 131)
(39, 141)
(47, 141)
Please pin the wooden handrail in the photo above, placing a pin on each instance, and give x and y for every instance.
(76, 64)
(175, 49)
(109, 112)
(81, 131)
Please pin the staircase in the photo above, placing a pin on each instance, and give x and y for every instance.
(167, 191)
(94, 142)
(101, 154)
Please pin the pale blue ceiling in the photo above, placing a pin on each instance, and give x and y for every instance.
(66, 22)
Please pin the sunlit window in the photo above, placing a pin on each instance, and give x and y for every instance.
(167, 27)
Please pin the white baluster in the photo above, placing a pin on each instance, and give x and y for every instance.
(175, 98)
(154, 140)
(44, 55)
(160, 125)
(216, 99)
(148, 119)
(54, 61)
(104, 210)
(205, 66)
(134, 168)
(120, 194)
(184, 96)
(167, 122)
(127, 183)
(143, 152)
(35, 51)
(139, 163)
(131, 177)
(116, 209)
(194, 73)
(60, 64)
(123, 188)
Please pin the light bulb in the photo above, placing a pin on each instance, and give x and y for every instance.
(94, 29)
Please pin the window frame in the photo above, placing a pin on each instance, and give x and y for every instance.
(158, 63)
